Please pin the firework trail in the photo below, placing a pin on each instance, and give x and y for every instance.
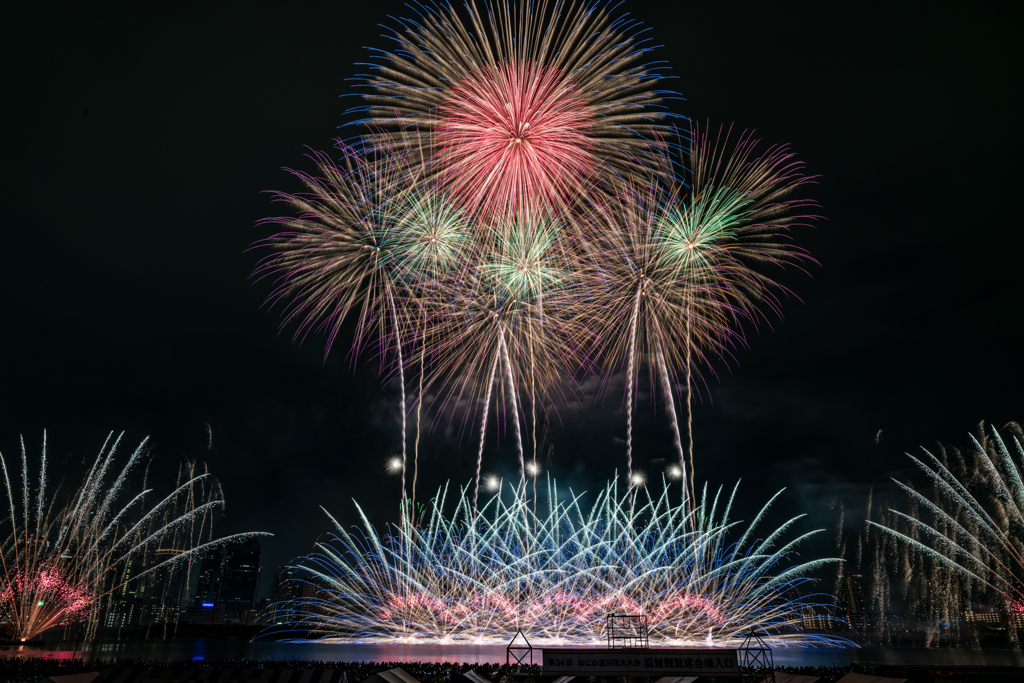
(512, 393)
(630, 271)
(61, 561)
(351, 245)
(686, 261)
(634, 318)
(505, 321)
(740, 206)
(976, 510)
(435, 240)
(483, 432)
(467, 577)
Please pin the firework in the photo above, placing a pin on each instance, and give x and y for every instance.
(355, 240)
(971, 523)
(436, 241)
(341, 250)
(505, 322)
(525, 302)
(519, 214)
(641, 308)
(476, 577)
(741, 204)
(435, 235)
(60, 561)
(515, 134)
(676, 269)
(33, 600)
(520, 102)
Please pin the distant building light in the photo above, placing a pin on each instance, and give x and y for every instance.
(207, 604)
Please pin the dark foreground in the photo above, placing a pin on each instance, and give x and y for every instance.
(35, 669)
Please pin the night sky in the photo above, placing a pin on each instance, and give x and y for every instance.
(141, 141)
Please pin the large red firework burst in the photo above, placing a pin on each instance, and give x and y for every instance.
(460, 87)
(514, 133)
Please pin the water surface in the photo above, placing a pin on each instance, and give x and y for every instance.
(179, 649)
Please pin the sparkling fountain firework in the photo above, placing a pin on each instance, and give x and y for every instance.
(60, 561)
(473, 577)
(972, 521)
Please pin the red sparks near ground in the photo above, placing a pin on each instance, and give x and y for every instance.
(513, 134)
(583, 609)
(33, 601)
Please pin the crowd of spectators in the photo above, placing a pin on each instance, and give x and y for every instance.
(830, 674)
(35, 669)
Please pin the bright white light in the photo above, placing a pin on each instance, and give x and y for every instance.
(492, 483)
(394, 465)
(638, 479)
(675, 472)
(533, 469)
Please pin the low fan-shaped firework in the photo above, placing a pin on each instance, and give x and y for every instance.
(60, 561)
(474, 577)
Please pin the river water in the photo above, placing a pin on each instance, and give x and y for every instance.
(236, 648)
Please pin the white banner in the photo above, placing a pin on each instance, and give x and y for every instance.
(653, 662)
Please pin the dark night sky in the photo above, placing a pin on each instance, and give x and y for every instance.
(140, 140)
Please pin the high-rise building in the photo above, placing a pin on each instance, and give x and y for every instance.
(168, 590)
(851, 600)
(812, 621)
(122, 610)
(287, 584)
(141, 595)
(241, 577)
(228, 578)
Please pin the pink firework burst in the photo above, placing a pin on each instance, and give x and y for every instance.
(515, 134)
(33, 601)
